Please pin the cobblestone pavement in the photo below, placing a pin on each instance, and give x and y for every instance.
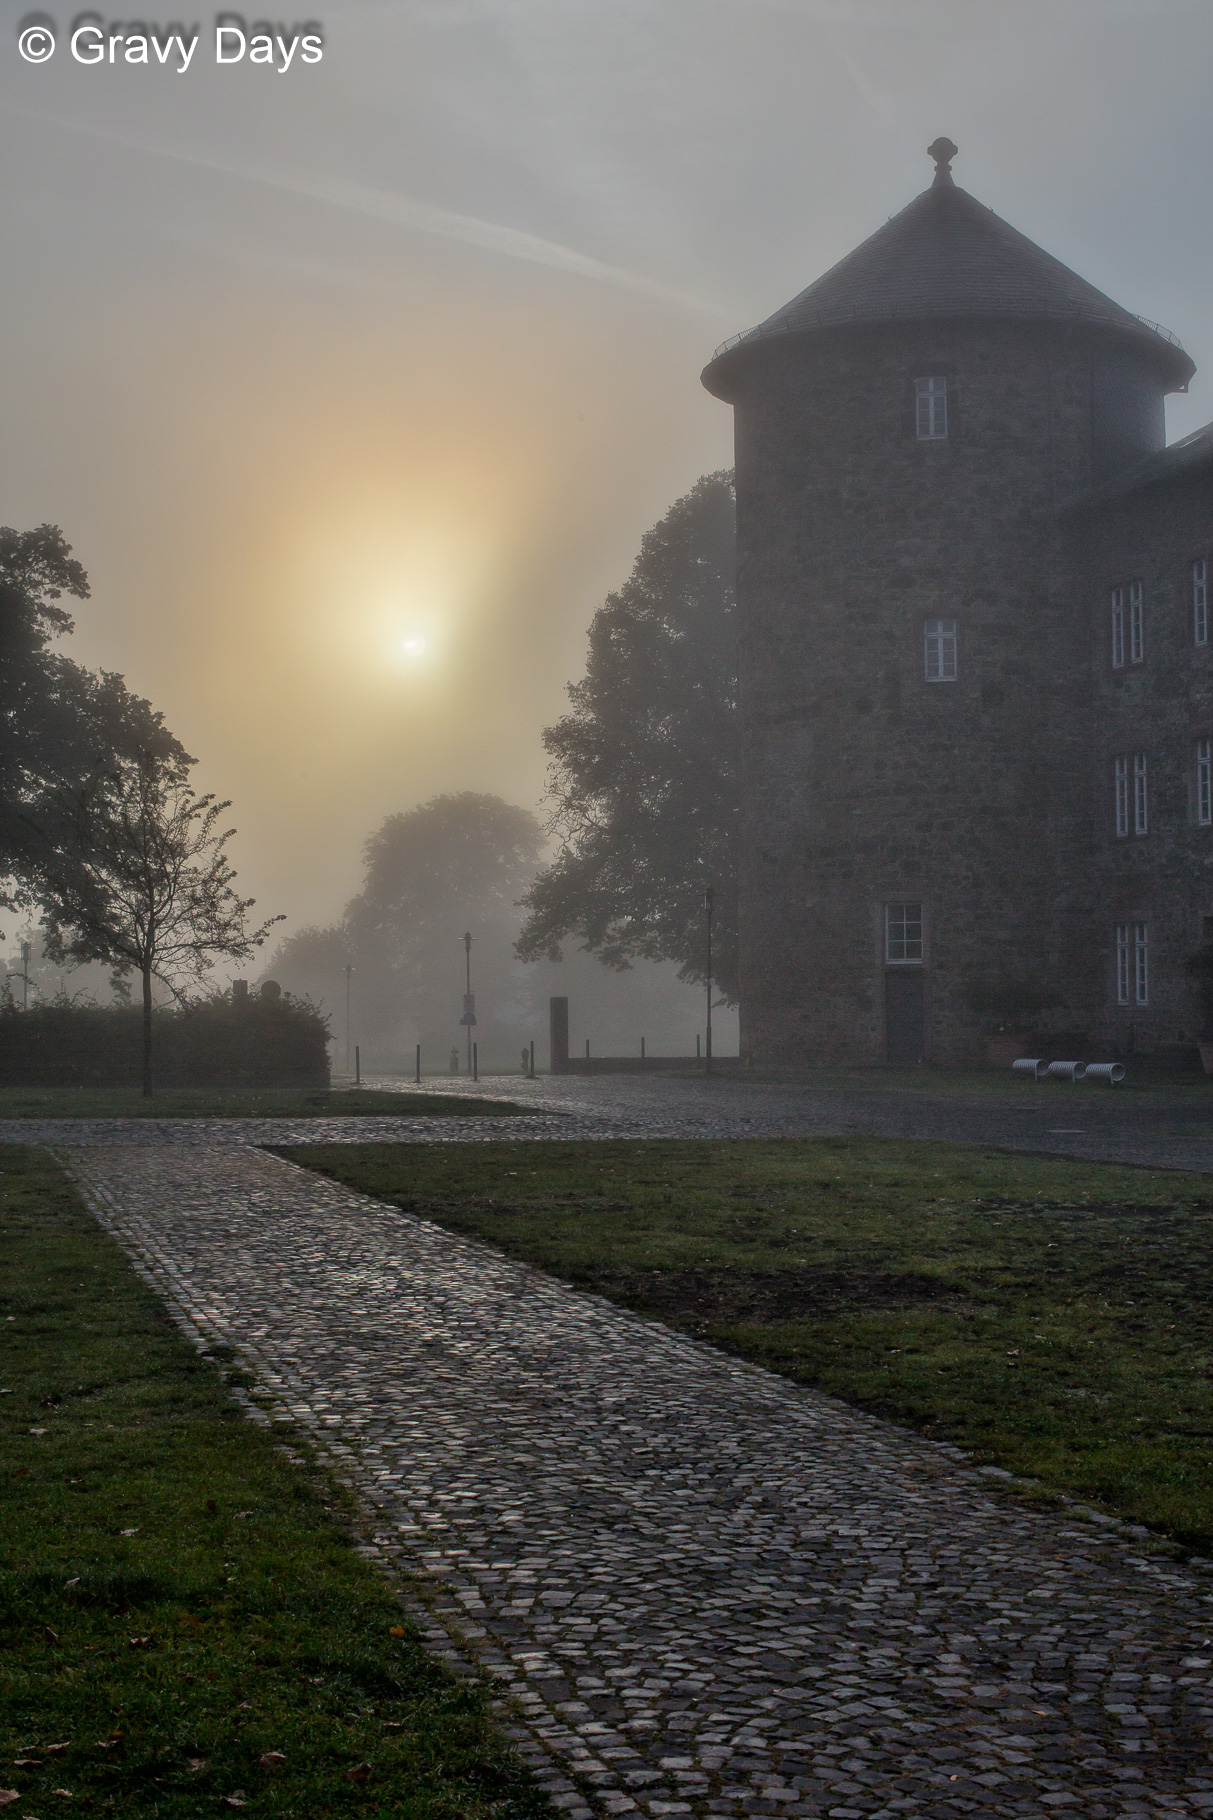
(1161, 1129)
(706, 1590)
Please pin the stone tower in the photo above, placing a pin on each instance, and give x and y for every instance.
(915, 673)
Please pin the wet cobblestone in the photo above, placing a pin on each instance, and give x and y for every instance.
(701, 1590)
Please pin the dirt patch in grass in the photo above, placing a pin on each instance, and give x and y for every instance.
(765, 1295)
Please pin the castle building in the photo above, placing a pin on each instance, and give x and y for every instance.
(976, 676)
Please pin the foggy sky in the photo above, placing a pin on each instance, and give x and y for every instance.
(407, 344)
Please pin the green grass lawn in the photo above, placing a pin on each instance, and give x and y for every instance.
(1056, 1318)
(237, 1103)
(185, 1626)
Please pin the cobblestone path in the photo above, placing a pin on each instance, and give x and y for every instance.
(707, 1591)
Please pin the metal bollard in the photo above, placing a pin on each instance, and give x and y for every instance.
(417, 1077)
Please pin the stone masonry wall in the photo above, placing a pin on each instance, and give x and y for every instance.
(865, 783)
(1160, 706)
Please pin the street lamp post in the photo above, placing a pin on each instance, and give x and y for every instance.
(469, 1003)
(709, 898)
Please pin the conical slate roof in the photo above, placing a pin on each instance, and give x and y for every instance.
(947, 255)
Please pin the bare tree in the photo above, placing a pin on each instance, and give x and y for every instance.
(137, 876)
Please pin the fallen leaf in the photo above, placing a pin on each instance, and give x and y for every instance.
(8, 1796)
(74, 1582)
(27, 1762)
(128, 1532)
(244, 1707)
(62, 1791)
(396, 1630)
(52, 1636)
(272, 1759)
(237, 1798)
(198, 1764)
(140, 1642)
(360, 1773)
(37, 1431)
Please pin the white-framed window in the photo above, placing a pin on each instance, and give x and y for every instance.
(1204, 782)
(931, 409)
(1200, 601)
(1137, 641)
(1123, 962)
(902, 933)
(1122, 796)
(1141, 815)
(1118, 628)
(1132, 964)
(939, 650)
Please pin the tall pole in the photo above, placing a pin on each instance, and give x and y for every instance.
(709, 898)
(467, 957)
(23, 976)
(348, 971)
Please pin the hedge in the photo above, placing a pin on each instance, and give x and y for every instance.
(211, 1042)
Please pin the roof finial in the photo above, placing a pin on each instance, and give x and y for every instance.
(943, 152)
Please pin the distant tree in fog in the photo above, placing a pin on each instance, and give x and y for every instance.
(644, 771)
(311, 962)
(457, 862)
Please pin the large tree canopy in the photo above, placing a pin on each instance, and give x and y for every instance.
(644, 769)
(60, 725)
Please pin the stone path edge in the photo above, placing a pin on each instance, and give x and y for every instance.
(435, 1622)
